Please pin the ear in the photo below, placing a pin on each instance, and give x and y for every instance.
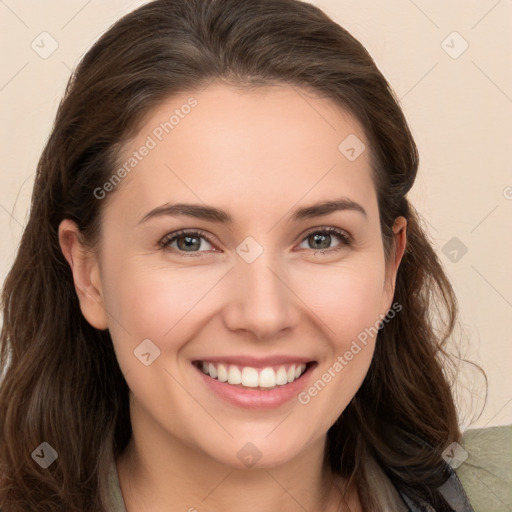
(86, 274)
(397, 252)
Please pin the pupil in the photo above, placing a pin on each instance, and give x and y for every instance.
(188, 244)
(325, 237)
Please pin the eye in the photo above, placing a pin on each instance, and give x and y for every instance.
(321, 238)
(187, 241)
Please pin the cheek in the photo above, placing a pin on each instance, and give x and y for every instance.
(348, 304)
(346, 300)
(158, 303)
(152, 303)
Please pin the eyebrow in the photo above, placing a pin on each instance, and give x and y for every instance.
(213, 214)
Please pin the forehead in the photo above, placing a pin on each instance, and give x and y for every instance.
(263, 150)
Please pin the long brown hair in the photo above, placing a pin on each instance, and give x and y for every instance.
(62, 382)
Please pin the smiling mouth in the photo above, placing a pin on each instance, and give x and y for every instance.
(266, 378)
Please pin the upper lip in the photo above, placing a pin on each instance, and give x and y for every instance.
(257, 362)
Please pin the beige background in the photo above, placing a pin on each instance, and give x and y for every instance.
(458, 103)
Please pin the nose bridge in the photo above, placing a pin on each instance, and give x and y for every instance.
(262, 301)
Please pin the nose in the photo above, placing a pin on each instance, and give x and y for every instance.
(261, 299)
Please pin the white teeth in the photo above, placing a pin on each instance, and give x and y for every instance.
(281, 378)
(212, 370)
(267, 378)
(251, 377)
(222, 373)
(290, 375)
(234, 375)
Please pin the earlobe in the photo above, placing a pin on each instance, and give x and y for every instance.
(86, 276)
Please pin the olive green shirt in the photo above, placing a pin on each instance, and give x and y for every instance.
(486, 474)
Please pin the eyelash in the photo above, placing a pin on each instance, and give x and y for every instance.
(346, 240)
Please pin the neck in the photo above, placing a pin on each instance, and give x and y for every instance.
(161, 476)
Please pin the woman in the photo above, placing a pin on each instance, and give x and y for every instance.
(223, 298)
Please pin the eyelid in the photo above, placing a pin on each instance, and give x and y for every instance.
(343, 234)
(183, 232)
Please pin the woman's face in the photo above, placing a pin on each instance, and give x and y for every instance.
(259, 288)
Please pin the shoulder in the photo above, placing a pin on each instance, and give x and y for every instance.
(116, 502)
(484, 467)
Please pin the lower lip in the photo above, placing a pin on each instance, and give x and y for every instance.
(254, 398)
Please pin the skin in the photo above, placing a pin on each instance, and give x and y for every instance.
(258, 155)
